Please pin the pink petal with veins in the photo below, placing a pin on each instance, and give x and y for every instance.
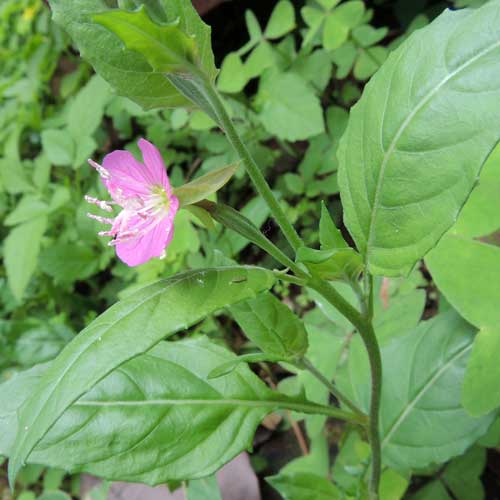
(154, 164)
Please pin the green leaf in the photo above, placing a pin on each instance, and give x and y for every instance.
(168, 48)
(68, 262)
(422, 420)
(41, 343)
(172, 49)
(367, 35)
(392, 485)
(467, 273)
(13, 176)
(330, 236)
(406, 167)
(127, 71)
(271, 326)
(289, 108)
(339, 23)
(463, 475)
(204, 186)
(206, 488)
(369, 61)
(481, 391)
(59, 146)
(27, 209)
(86, 111)
(165, 420)
(157, 311)
(21, 249)
(337, 264)
(432, 491)
(13, 394)
(229, 366)
(304, 486)
(481, 214)
(282, 20)
(232, 77)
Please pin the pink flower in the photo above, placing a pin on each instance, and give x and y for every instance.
(145, 226)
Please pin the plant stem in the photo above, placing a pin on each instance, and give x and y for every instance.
(251, 167)
(306, 364)
(365, 329)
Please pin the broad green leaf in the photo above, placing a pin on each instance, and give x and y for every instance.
(156, 311)
(127, 71)
(481, 214)
(272, 326)
(282, 20)
(164, 419)
(289, 108)
(467, 273)
(86, 111)
(59, 146)
(329, 235)
(202, 187)
(20, 252)
(422, 420)
(304, 486)
(417, 139)
(337, 264)
(481, 391)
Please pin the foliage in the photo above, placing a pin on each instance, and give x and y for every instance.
(397, 215)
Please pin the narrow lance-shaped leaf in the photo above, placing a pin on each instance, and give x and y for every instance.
(156, 418)
(417, 139)
(202, 187)
(127, 329)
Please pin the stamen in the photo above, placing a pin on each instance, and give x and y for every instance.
(100, 169)
(106, 233)
(102, 220)
(103, 205)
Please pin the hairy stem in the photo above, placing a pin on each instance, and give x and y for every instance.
(251, 167)
(365, 329)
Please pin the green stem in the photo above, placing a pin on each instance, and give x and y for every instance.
(365, 329)
(306, 364)
(251, 167)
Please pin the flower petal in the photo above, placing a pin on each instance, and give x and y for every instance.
(154, 164)
(126, 175)
(151, 243)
